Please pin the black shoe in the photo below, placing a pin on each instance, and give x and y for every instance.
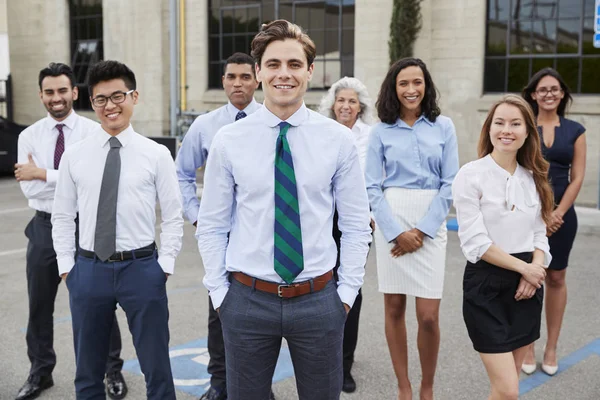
(215, 394)
(272, 395)
(349, 385)
(34, 386)
(116, 388)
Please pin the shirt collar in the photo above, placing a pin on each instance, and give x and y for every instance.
(69, 122)
(359, 125)
(233, 110)
(401, 124)
(295, 119)
(124, 137)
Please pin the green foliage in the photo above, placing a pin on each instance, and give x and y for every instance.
(404, 27)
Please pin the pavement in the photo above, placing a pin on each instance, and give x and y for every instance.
(460, 373)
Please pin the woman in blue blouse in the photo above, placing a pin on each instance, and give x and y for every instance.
(563, 145)
(411, 161)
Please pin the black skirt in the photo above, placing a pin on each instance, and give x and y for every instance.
(496, 322)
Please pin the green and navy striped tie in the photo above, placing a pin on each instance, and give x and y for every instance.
(289, 261)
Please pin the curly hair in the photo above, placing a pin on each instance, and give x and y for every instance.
(529, 155)
(532, 87)
(388, 105)
(366, 104)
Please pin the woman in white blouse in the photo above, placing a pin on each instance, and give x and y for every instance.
(348, 102)
(503, 201)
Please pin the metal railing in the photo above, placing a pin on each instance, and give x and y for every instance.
(6, 106)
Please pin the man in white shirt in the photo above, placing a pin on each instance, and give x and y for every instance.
(114, 179)
(265, 228)
(40, 149)
(239, 82)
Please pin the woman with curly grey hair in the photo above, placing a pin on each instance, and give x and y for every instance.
(348, 102)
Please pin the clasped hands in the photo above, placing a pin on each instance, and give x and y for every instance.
(407, 242)
(532, 278)
(556, 221)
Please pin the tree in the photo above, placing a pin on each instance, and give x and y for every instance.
(404, 28)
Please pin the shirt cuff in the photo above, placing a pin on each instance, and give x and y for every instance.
(192, 214)
(167, 263)
(218, 295)
(346, 293)
(51, 176)
(65, 264)
(427, 230)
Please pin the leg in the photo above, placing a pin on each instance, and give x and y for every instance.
(428, 341)
(529, 363)
(42, 285)
(503, 375)
(314, 329)
(395, 333)
(115, 362)
(556, 302)
(251, 323)
(351, 332)
(93, 305)
(216, 349)
(141, 292)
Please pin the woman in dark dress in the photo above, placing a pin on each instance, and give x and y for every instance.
(563, 145)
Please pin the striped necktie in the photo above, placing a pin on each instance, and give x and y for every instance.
(289, 261)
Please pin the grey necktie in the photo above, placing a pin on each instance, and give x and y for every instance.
(106, 220)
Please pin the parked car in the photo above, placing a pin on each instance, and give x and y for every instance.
(9, 136)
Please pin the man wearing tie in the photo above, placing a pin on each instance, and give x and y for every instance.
(40, 150)
(272, 183)
(114, 179)
(239, 83)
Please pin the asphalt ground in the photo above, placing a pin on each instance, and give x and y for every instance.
(460, 373)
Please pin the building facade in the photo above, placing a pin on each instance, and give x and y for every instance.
(476, 51)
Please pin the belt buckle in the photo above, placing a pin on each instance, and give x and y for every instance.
(118, 258)
(280, 289)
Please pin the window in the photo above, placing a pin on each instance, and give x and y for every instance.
(330, 24)
(524, 36)
(86, 44)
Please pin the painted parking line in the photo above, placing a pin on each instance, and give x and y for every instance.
(539, 378)
(11, 252)
(15, 210)
(452, 224)
(189, 363)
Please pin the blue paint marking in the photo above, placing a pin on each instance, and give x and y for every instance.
(539, 378)
(190, 360)
(452, 224)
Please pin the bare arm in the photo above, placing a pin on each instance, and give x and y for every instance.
(577, 175)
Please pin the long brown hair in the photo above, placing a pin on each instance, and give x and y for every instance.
(529, 155)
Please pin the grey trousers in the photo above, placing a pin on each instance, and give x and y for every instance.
(254, 324)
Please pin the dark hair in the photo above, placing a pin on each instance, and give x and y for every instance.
(57, 69)
(108, 70)
(388, 105)
(529, 155)
(532, 86)
(239, 58)
(281, 30)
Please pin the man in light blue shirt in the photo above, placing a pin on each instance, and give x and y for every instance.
(239, 83)
(271, 185)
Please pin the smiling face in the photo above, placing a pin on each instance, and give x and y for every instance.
(114, 118)
(284, 74)
(548, 94)
(346, 107)
(508, 130)
(239, 84)
(410, 89)
(58, 95)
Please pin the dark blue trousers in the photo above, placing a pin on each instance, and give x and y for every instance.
(95, 287)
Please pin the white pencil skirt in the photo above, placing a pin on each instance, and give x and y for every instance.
(419, 274)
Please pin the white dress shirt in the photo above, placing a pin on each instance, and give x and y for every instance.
(239, 200)
(361, 137)
(194, 151)
(39, 140)
(494, 207)
(147, 173)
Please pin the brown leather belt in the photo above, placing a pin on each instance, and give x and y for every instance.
(285, 291)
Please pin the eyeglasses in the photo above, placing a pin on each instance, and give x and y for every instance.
(116, 98)
(544, 91)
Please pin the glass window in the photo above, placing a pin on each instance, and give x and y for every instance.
(524, 36)
(86, 44)
(330, 24)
